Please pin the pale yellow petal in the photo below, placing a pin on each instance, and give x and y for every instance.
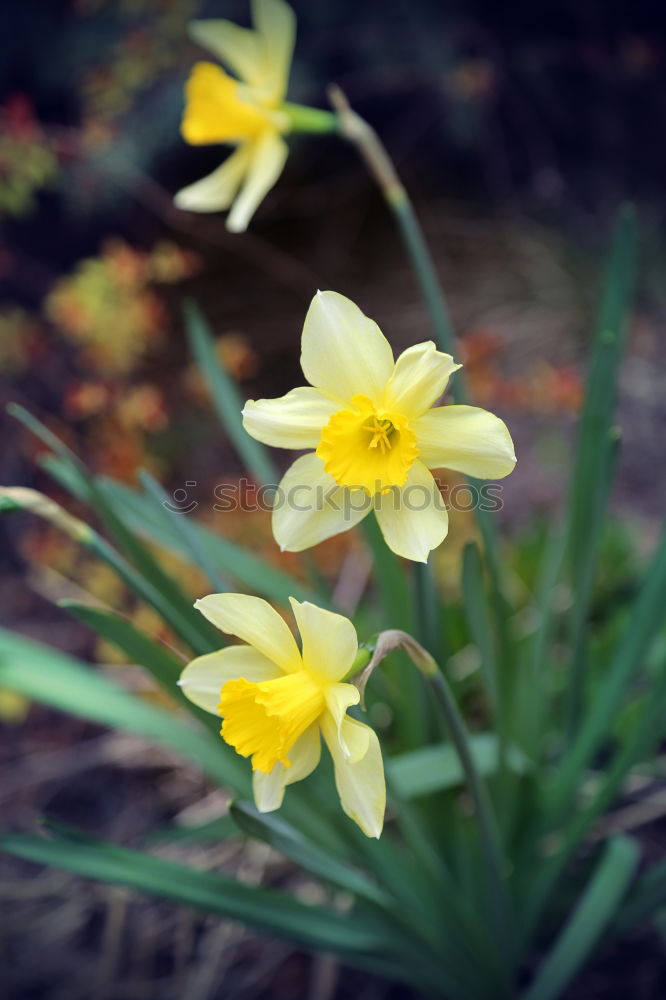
(466, 439)
(328, 640)
(310, 506)
(202, 679)
(292, 421)
(240, 48)
(361, 785)
(268, 155)
(419, 379)
(254, 621)
(216, 192)
(340, 697)
(344, 353)
(413, 520)
(276, 27)
(304, 756)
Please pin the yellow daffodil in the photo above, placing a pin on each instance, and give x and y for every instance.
(277, 701)
(375, 433)
(245, 111)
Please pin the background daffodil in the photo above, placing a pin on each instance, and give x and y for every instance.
(375, 434)
(277, 701)
(243, 111)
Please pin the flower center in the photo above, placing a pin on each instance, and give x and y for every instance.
(367, 448)
(264, 720)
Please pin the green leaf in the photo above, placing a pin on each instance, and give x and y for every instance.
(162, 663)
(647, 896)
(46, 675)
(478, 618)
(390, 577)
(283, 837)
(143, 573)
(587, 923)
(212, 832)
(199, 553)
(226, 398)
(250, 570)
(264, 909)
(645, 621)
(437, 768)
(597, 445)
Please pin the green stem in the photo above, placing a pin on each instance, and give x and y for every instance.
(475, 784)
(379, 163)
(479, 793)
(304, 119)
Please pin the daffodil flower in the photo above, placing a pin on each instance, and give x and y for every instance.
(375, 433)
(277, 701)
(245, 111)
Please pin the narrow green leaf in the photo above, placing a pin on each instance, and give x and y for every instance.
(264, 909)
(644, 622)
(533, 690)
(437, 768)
(212, 832)
(597, 445)
(478, 618)
(588, 921)
(165, 594)
(646, 734)
(250, 570)
(226, 398)
(390, 577)
(283, 837)
(48, 676)
(647, 896)
(162, 663)
(199, 553)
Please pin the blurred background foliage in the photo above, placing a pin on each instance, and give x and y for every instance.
(517, 127)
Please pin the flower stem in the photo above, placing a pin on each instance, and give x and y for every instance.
(304, 119)
(373, 152)
(382, 645)
(488, 828)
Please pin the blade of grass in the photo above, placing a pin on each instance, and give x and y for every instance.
(589, 920)
(226, 397)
